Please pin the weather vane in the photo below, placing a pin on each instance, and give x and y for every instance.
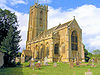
(43, 1)
(74, 17)
(36, 1)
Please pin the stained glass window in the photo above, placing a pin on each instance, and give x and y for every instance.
(74, 42)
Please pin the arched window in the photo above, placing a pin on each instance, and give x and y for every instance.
(38, 55)
(41, 18)
(74, 42)
(56, 49)
(47, 49)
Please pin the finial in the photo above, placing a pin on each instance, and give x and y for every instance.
(36, 1)
(74, 17)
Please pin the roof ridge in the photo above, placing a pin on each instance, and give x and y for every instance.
(64, 24)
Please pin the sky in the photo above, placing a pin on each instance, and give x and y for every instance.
(86, 12)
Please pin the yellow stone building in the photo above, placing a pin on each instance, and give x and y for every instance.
(60, 43)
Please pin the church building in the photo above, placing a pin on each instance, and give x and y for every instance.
(60, 43)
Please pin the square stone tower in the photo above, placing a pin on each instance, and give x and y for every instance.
(37, 20)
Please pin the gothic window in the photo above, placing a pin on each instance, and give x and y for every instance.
(56, 49)
(74, 42)
(41, 15)
(47, 49)
(41, 18)
(41, 12)
(38, 55)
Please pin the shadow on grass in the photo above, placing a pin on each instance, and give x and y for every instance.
(11, 71)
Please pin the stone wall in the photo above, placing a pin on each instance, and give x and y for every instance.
(43, 42)
(1, 59)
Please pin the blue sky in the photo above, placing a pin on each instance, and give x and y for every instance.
(64, 4)
(87, 14)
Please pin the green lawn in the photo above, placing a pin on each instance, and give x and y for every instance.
(61, 69)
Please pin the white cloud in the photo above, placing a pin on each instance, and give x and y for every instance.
(2, 1)
(23, 26)
(14, 2)
(95, 41)
(44, 1)
(87, 17)
(56, 16)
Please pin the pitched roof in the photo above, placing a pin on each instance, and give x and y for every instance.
(59, 26)
(53, 29)
(46, 32)
(65, 24)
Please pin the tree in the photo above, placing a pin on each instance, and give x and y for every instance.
(96, 53)
(7, 19)
(87, 54)
(10, 43)
(19, 54)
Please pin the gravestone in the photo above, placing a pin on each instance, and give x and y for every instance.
(32, 63)
(95, 60)
(45, 61)
(39, 62)
(71, 64)
(88, 73)
(77, 61)
(38, 65)
(33, 59)
(34, 74)
(89, 62)
(60, 58)
(22, 59)
(55, 64)
(92, 63)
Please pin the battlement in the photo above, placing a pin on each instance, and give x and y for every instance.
(45, 7)
(37, 20)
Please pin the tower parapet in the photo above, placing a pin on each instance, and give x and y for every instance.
(37, 20)
(44, 7)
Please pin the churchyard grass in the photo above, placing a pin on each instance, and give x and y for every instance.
(60, 69)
